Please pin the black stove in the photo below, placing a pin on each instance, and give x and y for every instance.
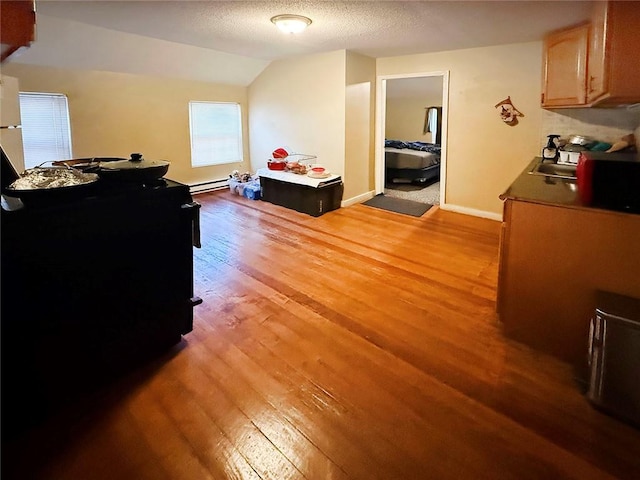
(91, 287)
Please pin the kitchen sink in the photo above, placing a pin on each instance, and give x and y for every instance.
(554, 170)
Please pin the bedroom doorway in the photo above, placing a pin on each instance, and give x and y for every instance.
(412, 109)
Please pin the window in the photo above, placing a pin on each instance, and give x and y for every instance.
(46, 134)
(216, 133)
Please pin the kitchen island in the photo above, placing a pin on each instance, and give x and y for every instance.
(555, 253)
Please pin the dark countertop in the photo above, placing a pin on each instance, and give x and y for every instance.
(541, 189)
(559, 192)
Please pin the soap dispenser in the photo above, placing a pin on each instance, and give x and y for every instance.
(550, 150)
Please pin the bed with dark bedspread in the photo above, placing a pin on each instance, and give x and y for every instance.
(415, 161)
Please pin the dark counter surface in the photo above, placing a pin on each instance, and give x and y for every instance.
(563, 192)
(542, 189)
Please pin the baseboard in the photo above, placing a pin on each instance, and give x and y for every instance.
(471, 211)
(218, 184)
(358, 199)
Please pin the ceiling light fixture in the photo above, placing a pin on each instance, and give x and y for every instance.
(291, 23)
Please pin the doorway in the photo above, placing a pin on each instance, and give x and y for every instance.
(404, 103)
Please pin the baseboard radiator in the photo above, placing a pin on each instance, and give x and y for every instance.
(210, 186)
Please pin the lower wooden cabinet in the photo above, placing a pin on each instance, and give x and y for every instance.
(552, 261)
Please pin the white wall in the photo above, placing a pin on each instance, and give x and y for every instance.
(484, 155)
(116, 114)
(405, 119)
(300, 103)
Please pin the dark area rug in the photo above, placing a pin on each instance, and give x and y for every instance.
(410, 186)
(398, 205)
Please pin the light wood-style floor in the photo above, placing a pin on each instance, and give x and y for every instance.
(361, 344)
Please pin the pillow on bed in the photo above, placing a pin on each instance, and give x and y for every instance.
(396, 144)
(421, 146)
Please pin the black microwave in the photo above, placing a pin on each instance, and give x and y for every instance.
(609, 180)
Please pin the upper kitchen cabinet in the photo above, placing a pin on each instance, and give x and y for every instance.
(565, 67)
(612, 64)
(595, 64)
(17, 26)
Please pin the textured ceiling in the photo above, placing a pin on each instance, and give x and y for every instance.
(373, 28)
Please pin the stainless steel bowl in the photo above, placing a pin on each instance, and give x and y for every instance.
(580, 140)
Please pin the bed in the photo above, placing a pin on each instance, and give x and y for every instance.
(415, 161)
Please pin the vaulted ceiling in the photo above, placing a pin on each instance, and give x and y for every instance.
(237, 36)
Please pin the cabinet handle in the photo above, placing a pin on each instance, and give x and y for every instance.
(194, 209)
(591, 79)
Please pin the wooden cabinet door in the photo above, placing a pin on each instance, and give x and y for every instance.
(17, 26)
(565, 67)
(614, 43)
(502, 253)
(596, 61)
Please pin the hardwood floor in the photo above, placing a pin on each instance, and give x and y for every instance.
(362, 344)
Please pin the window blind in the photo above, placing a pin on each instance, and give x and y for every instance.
(216, 133)
(46, 134)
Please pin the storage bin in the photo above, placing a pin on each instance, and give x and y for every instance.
(252, 191)
(233, 185)
(302, 198)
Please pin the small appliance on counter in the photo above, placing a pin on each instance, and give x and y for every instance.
(609, 180)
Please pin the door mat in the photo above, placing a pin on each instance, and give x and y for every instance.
(398, 205)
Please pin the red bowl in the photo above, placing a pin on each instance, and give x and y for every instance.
(272, 165)
(280, 153)
(318, 169)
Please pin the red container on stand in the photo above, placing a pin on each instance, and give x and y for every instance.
(276, 164)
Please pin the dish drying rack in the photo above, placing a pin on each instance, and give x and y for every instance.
(302, 158)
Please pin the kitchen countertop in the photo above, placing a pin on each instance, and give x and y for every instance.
(541, 189)
(560, 192)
